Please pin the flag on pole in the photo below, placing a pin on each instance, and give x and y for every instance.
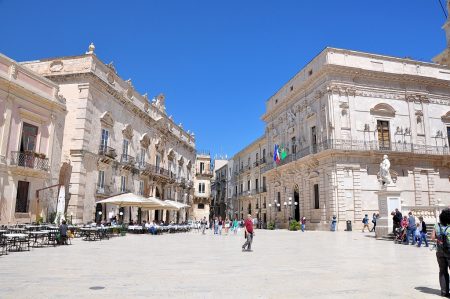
(283, 153)
(276, 154)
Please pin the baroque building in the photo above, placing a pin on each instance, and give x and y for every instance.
(31, 136)
(335, 119)
(202, 187)
(118, 140)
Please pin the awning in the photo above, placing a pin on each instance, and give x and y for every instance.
(133, 200)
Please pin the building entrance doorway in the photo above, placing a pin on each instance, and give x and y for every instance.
(296, 204)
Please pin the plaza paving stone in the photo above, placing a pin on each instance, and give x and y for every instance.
(283, 265)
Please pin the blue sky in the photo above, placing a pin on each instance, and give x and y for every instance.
(217, 62)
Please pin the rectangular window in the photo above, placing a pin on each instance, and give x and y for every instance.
(256, 185)
(235, 190)
(316, 197)
(125, 146)
(104, 142)
(142, 157)
(384, 139)
(157, 161)
(200, 206)
(448, 136)
(314, 139)
(101, 179)
(242, 188)
(293, 145)
(248, 185)
(264, 155)
(141, 187)
(199, 187)
(264, 184)
(29, 138)
(202, 167)
(22, 197)
(123, 184)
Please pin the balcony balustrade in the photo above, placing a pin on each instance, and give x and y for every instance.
(30, 160)
(359, 145)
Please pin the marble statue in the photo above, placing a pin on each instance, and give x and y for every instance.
(385, 176)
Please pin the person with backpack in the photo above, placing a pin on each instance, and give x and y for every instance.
(365, 221)
(441, 233)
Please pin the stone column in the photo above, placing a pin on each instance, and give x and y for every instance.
(431, 187)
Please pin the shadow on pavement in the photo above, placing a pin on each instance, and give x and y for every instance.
(427, 290)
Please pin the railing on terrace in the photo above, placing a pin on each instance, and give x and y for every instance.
(360, 145)
(105, 190)
(29, 160)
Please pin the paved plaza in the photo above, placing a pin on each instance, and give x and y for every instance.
(283, 265)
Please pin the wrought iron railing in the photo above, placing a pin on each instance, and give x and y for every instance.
(360, 145)
(29, 160)
(104, 190)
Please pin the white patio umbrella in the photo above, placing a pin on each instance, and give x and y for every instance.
(176, 204)
(133, 200)
(164, 204)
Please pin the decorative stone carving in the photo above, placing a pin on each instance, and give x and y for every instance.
(110, 77)
(13, 71)
(127, 131)
(146, 107)
(383, 109)
(91, 49)
(145, 140)
(159, 102)
(291, 117)
(417, 98)
(446, 118)
(106, 119)
(180, 160)
(56, 66)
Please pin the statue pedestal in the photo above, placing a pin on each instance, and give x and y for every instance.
(388, 201)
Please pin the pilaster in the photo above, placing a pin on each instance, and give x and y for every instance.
(417, 188)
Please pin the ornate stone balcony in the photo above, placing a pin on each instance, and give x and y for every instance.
(30, 160)
(104, 191)
(106, 153)
(362, 146)
(127, 161)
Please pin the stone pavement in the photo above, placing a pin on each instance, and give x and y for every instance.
(283, 265)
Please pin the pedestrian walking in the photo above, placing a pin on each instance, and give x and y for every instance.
(374, 221)
(249, 233)
(365, 222)
(397, 219)
(203, 224)
(235, 226)
(441, 233)
(333, 223)
(303, 222)
(220, 225)
(411, 229)
(423, 232)
(227, 225)
(216, 225)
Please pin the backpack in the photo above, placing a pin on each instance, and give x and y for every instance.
(364, 220)
(442, 241)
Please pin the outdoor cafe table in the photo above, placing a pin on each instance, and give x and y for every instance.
(17, 241)
(90, 233)
(38, 238)
(33, 227)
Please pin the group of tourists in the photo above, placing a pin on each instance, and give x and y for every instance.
(407, 231)
(219, 225)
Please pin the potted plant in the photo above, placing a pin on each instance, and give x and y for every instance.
(294, 225)
(271, 225)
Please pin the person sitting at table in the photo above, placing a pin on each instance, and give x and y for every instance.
(152, 229)
(63, 233)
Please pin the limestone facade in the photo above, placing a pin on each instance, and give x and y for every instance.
(31, 136)
(248, 186)
(118, 140)
(202, 187)
(337, 117)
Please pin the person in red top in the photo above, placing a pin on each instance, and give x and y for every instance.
(249, 233)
